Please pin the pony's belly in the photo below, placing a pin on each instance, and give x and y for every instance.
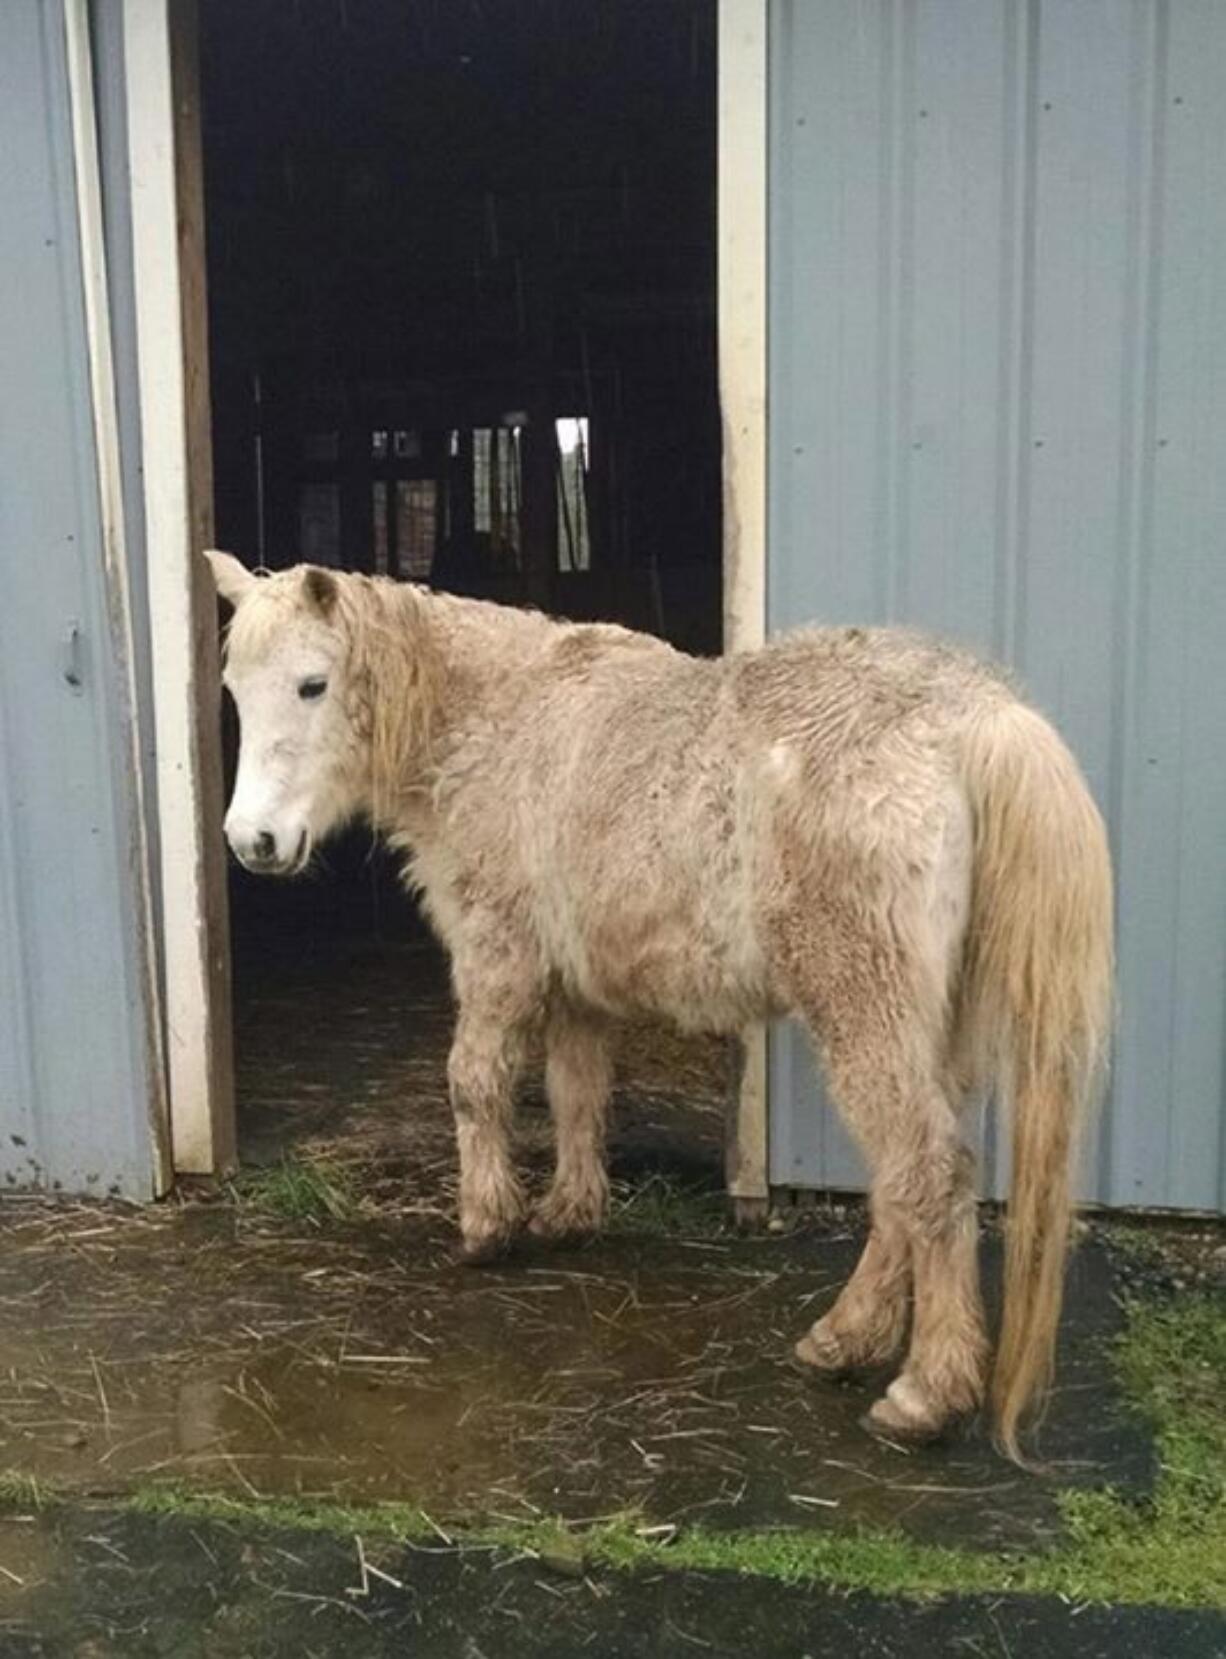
(667, 968)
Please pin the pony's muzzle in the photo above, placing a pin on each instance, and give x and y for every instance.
(264, 853)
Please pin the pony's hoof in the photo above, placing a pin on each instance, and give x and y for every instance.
(564, 1226)
(482, 1250)
(821, 1351)
(906, 1416)
(893, 1431)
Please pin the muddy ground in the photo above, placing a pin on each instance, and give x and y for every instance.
(346, 1356)
(302, 1332)
(359, 1364)
(342, 1035)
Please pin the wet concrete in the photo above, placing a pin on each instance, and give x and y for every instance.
(359, 1363)
(114, 1586)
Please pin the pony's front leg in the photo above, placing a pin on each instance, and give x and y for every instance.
(486, 1057)
(578, 1078)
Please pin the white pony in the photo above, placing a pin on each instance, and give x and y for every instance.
(859, 827)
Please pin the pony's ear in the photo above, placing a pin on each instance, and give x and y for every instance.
(234, 581)
(320, 589)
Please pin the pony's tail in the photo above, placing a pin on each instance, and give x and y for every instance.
(1036, 1013)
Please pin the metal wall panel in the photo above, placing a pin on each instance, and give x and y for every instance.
(74, 1038)
(997, 409)
(110, 93)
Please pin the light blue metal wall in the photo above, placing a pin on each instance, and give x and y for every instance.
(74, 1036)
(998, 409)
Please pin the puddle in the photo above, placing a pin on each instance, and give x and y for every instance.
(361, 1365)
(31, 1561)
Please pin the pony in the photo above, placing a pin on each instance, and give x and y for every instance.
(862, 828)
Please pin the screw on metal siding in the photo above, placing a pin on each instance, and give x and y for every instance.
(70, 658)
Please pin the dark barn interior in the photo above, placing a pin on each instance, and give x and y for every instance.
(461, 272)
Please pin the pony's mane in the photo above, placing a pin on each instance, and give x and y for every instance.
(396, 672)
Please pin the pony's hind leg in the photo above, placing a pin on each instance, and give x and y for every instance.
(891, 1094)
(867, 1324)
(879, 1018)
(578, 1079)
(929, 1186)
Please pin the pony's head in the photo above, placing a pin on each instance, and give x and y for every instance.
(303, 715)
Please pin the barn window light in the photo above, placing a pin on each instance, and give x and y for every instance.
(574, 531)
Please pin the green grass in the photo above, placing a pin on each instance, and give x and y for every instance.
(388, 1520)
(299, 1189)
(662, 1205)
(1172, 1360)
(20, 1492)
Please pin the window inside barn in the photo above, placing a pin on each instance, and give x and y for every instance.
(378, 516)
(416, 526)
(319, 524)
(574, 528)
(498, 489)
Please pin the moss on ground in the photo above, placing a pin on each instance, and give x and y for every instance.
(385, 1520)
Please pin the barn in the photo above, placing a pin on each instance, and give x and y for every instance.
(708, 316)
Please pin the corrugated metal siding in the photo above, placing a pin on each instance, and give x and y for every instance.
(998, 409)
(110, 92)
(74, 1080)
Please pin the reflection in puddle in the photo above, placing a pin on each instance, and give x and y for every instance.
(29, 1557)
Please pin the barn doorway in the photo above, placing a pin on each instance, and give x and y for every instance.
(462, 318)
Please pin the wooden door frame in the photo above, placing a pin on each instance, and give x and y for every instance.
(167, 202)
(742, 344)
(167, 214)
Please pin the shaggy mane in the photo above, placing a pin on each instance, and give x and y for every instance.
(396, 679)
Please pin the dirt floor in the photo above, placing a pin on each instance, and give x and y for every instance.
(342, 1034)
(298, 1344)
(356, 1363)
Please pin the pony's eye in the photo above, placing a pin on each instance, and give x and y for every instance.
(308, 690)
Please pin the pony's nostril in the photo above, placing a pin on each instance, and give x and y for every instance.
(265, 846)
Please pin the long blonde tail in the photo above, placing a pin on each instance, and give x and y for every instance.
(1036, 1013)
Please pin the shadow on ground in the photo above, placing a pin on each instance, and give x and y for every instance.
(101, 1585)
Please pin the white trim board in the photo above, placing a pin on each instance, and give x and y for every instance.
(201, 1110)
(742, 246)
